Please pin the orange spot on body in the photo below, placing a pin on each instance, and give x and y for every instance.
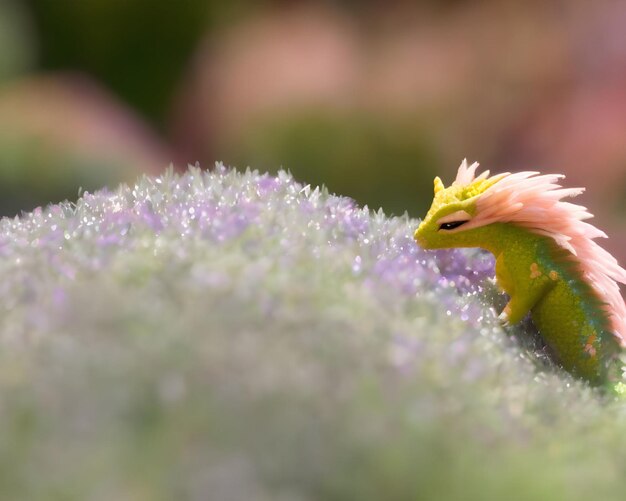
(554, 275)
(535, 272)
(589, 348)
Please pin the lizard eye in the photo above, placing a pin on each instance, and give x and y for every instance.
(451, 225)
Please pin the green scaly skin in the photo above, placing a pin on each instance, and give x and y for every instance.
(540, 277)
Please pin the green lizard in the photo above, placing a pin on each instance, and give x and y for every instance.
(546, 261)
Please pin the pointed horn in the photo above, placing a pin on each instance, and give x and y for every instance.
(439, 185)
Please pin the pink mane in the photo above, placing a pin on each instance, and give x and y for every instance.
(534, 201)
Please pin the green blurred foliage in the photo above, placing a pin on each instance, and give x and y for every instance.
(34, 173)
(136, 47)
(140, 49)
(378, 162)
(17, 51)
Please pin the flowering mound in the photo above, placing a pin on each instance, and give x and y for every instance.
(239, 336)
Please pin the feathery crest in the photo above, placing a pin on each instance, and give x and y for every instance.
(533, 201)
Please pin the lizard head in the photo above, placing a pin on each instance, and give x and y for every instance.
(449, 218)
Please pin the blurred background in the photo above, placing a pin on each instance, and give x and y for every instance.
(371, 98)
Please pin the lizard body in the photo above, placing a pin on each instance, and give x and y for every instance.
(573, 302)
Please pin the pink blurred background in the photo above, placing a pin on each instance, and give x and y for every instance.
(370, 98)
